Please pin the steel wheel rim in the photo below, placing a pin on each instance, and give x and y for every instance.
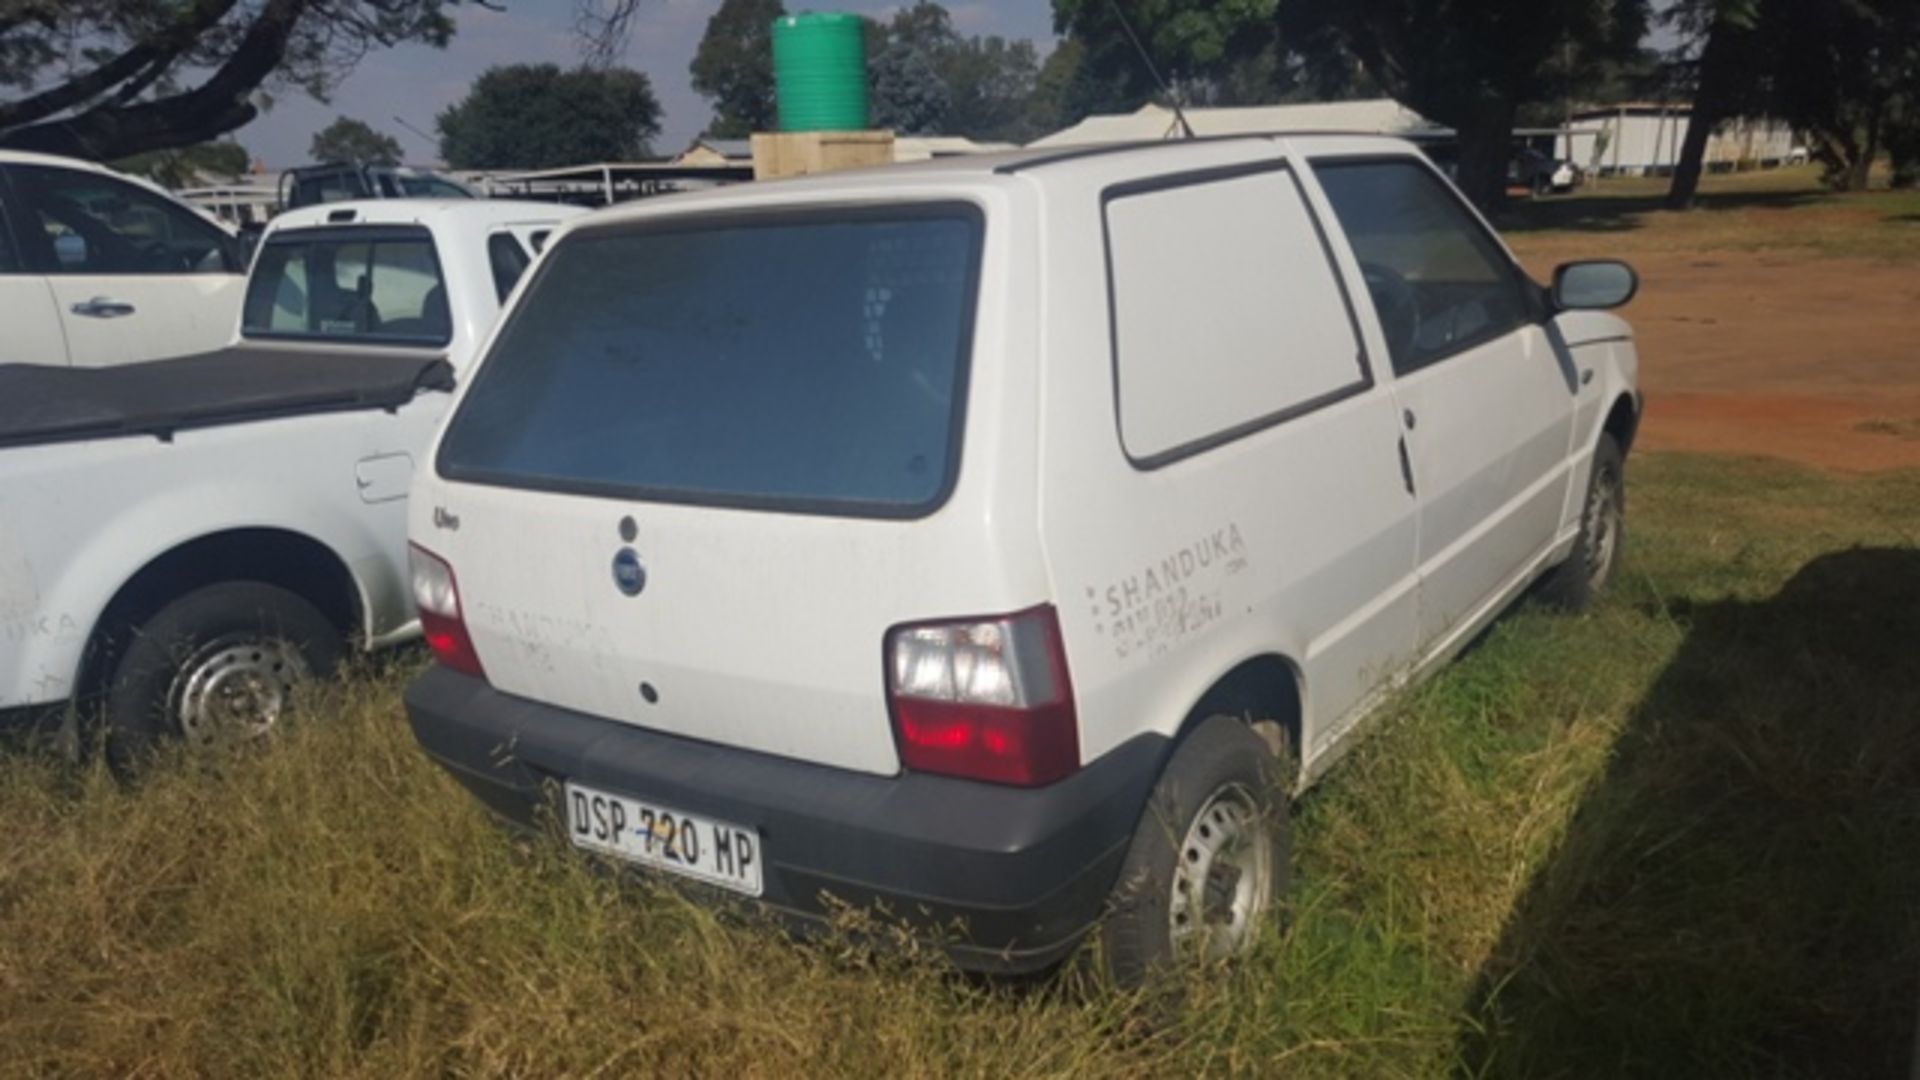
(1223, 877)
(235, 687)
(1603, 527)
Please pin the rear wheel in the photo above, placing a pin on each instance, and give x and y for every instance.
(1210, 858)
(222, 664)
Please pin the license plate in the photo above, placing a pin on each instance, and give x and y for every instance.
(716, 852)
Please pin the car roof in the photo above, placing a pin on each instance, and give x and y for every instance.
(455, 212)
(962, 170)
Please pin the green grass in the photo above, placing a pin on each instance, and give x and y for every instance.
(1783, 210)
(1677, 837)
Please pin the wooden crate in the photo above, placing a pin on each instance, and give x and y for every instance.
(797, 153)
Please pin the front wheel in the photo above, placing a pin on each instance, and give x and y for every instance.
(1574, 584)
(221, 664)
(1209, 861)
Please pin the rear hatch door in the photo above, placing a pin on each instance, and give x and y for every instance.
(689, 486)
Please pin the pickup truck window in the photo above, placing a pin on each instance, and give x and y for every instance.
(379, 284)
(508, 260)
(1440, 283)
(9, 262)
(422, 187)
(810, 361)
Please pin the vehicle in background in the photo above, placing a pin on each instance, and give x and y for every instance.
(311, 185)
(100, 268)
(410, 272)
(1541, 174)
(1001, 540)
(182, 541)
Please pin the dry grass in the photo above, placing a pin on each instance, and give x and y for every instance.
(1678, 837)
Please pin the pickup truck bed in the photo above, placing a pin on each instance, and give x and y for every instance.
(40, 404)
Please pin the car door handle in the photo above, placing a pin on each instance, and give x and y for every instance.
(1406, 466)
(101, 307)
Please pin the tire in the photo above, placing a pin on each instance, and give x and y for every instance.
(1575, 583)
(220, 664)
(1222, 777)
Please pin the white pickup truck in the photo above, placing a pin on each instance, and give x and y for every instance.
(182, 541)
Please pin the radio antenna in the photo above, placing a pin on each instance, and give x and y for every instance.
(1146, 58)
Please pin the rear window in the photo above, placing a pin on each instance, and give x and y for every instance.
(380, 285)
(811, 361)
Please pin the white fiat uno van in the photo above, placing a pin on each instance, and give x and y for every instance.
(1002, 540)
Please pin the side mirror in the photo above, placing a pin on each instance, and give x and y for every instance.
(1594, 286)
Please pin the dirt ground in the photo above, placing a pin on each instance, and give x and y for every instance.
(1800, 356)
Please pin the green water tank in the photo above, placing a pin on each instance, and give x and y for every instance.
(820, 71)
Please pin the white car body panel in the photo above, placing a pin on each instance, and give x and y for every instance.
(80, 519)
(172, 314)
(35, 333)
(764, 630)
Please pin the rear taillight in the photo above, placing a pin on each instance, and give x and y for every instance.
(985, 699)
(437, 595)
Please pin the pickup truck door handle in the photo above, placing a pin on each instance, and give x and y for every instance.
(1406, 466)
(101, 307)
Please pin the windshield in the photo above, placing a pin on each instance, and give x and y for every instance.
(381, 285)
(809, 361)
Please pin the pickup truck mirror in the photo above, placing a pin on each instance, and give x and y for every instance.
(1594, 286)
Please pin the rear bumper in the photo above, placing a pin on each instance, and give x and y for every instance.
(1020, 874)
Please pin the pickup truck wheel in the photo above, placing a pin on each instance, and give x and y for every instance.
(1575, 583)
(221, 664)
(1210, 858)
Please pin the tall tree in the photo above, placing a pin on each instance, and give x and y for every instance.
(733, 67)
(1845, 70)
(1722, 36)
(928, 78)
(188, 165)
(908, 94)
(1469, 65)
(535, 116)
(353, 142)
(157, 74)
(1472, 66)
(909, 90)
(1208, 53)
(990, 85)
(1051, 106)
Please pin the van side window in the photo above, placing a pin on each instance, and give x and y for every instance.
(1227, 315)
(1439, 283)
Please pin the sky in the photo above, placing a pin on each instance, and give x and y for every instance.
(415, 82)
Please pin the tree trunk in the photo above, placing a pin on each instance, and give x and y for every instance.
(1709, 108)
(1486, 146)
(1862, 170)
